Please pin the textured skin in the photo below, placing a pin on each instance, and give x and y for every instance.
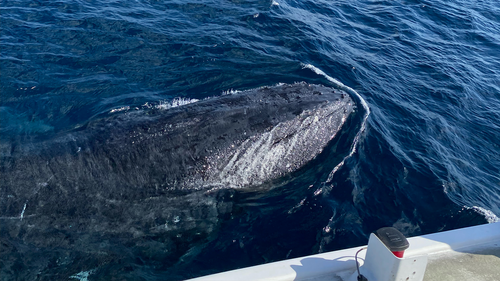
(147, 171)
(192, 146)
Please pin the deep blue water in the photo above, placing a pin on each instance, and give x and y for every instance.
(428, 159)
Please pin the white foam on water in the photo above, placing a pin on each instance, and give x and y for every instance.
(175, 103)
(230, 92)
(488, 215)
(22, 212)
(123, 108)
(363, 124)
(83, 276)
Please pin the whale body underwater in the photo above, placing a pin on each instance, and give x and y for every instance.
(143, 172)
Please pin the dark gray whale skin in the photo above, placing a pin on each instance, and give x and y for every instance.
(156, 173)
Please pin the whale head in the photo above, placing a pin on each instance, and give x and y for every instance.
(282, 128)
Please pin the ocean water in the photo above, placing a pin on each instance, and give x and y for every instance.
(423, 156)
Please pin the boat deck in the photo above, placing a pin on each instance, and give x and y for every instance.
(476, 265)
(471, 254)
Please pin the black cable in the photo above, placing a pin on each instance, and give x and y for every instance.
(360, 277)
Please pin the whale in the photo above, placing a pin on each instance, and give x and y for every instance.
(156, 172)
(235, 140)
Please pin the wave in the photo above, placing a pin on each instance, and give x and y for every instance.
(363, 123)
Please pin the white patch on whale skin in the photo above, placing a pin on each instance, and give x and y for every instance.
(283, 149)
